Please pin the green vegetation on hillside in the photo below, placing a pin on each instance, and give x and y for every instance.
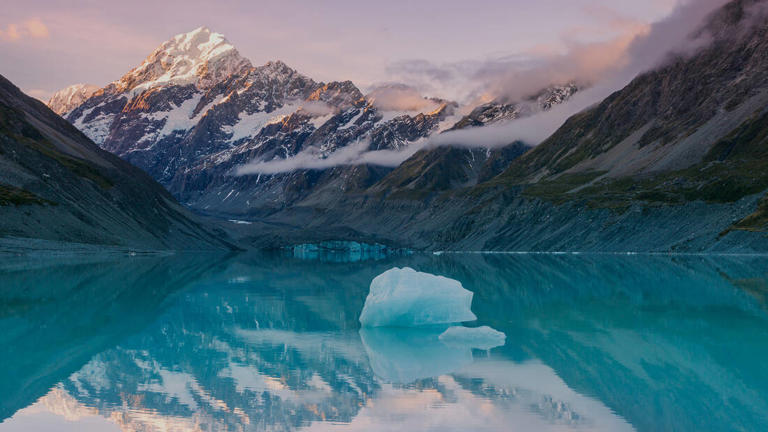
(735, 167)
(10, 195)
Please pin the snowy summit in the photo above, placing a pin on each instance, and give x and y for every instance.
(200, 57)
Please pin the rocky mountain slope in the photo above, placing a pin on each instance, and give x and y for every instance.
(55, 184)
(693, 130)
(675, 161)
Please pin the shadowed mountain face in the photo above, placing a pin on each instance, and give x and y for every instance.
(262, 342)
(55, 184)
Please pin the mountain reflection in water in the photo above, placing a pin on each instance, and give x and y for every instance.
(263, 342)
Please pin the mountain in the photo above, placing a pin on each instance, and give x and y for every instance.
(675, 161)
(195, 110)
(67, 99)
(55, 184)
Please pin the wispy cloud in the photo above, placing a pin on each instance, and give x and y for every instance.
(318, 108)
(32, 28)
(353, 154)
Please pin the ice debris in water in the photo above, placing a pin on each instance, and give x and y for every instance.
(474, 337)
(407, 298)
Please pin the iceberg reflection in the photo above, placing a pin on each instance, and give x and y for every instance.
(404, 355)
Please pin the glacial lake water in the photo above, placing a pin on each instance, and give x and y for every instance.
(257, 342)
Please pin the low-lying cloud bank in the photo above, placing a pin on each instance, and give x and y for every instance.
(353, 154)
(608, 66)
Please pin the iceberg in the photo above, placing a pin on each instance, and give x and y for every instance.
(473, 337)
(407, 298)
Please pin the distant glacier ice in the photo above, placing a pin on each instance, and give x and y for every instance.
(407, 298)
(344, 251)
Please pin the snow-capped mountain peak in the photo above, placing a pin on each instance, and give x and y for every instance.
(200, 57)
(195, 110)
(69, 98)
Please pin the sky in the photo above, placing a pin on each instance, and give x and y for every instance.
(437, 46)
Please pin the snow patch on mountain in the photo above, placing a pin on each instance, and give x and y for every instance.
(97, 128)
(251, 124)
(179, 118)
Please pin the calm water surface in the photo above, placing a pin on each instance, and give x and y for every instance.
(272, 343)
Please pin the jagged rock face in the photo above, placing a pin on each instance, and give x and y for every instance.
(499, 111)
(195, 110)
(67, 99)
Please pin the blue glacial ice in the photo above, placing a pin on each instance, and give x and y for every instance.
(407, 298)
(473, 337)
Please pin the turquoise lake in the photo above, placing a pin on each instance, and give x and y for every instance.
(272, 342)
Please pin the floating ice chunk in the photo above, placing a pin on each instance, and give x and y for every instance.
(474, 337)
(404, 355)
(407, 298)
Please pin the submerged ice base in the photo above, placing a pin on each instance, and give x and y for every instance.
(407, 298)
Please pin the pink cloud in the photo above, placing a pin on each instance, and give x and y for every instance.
(32, 28)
